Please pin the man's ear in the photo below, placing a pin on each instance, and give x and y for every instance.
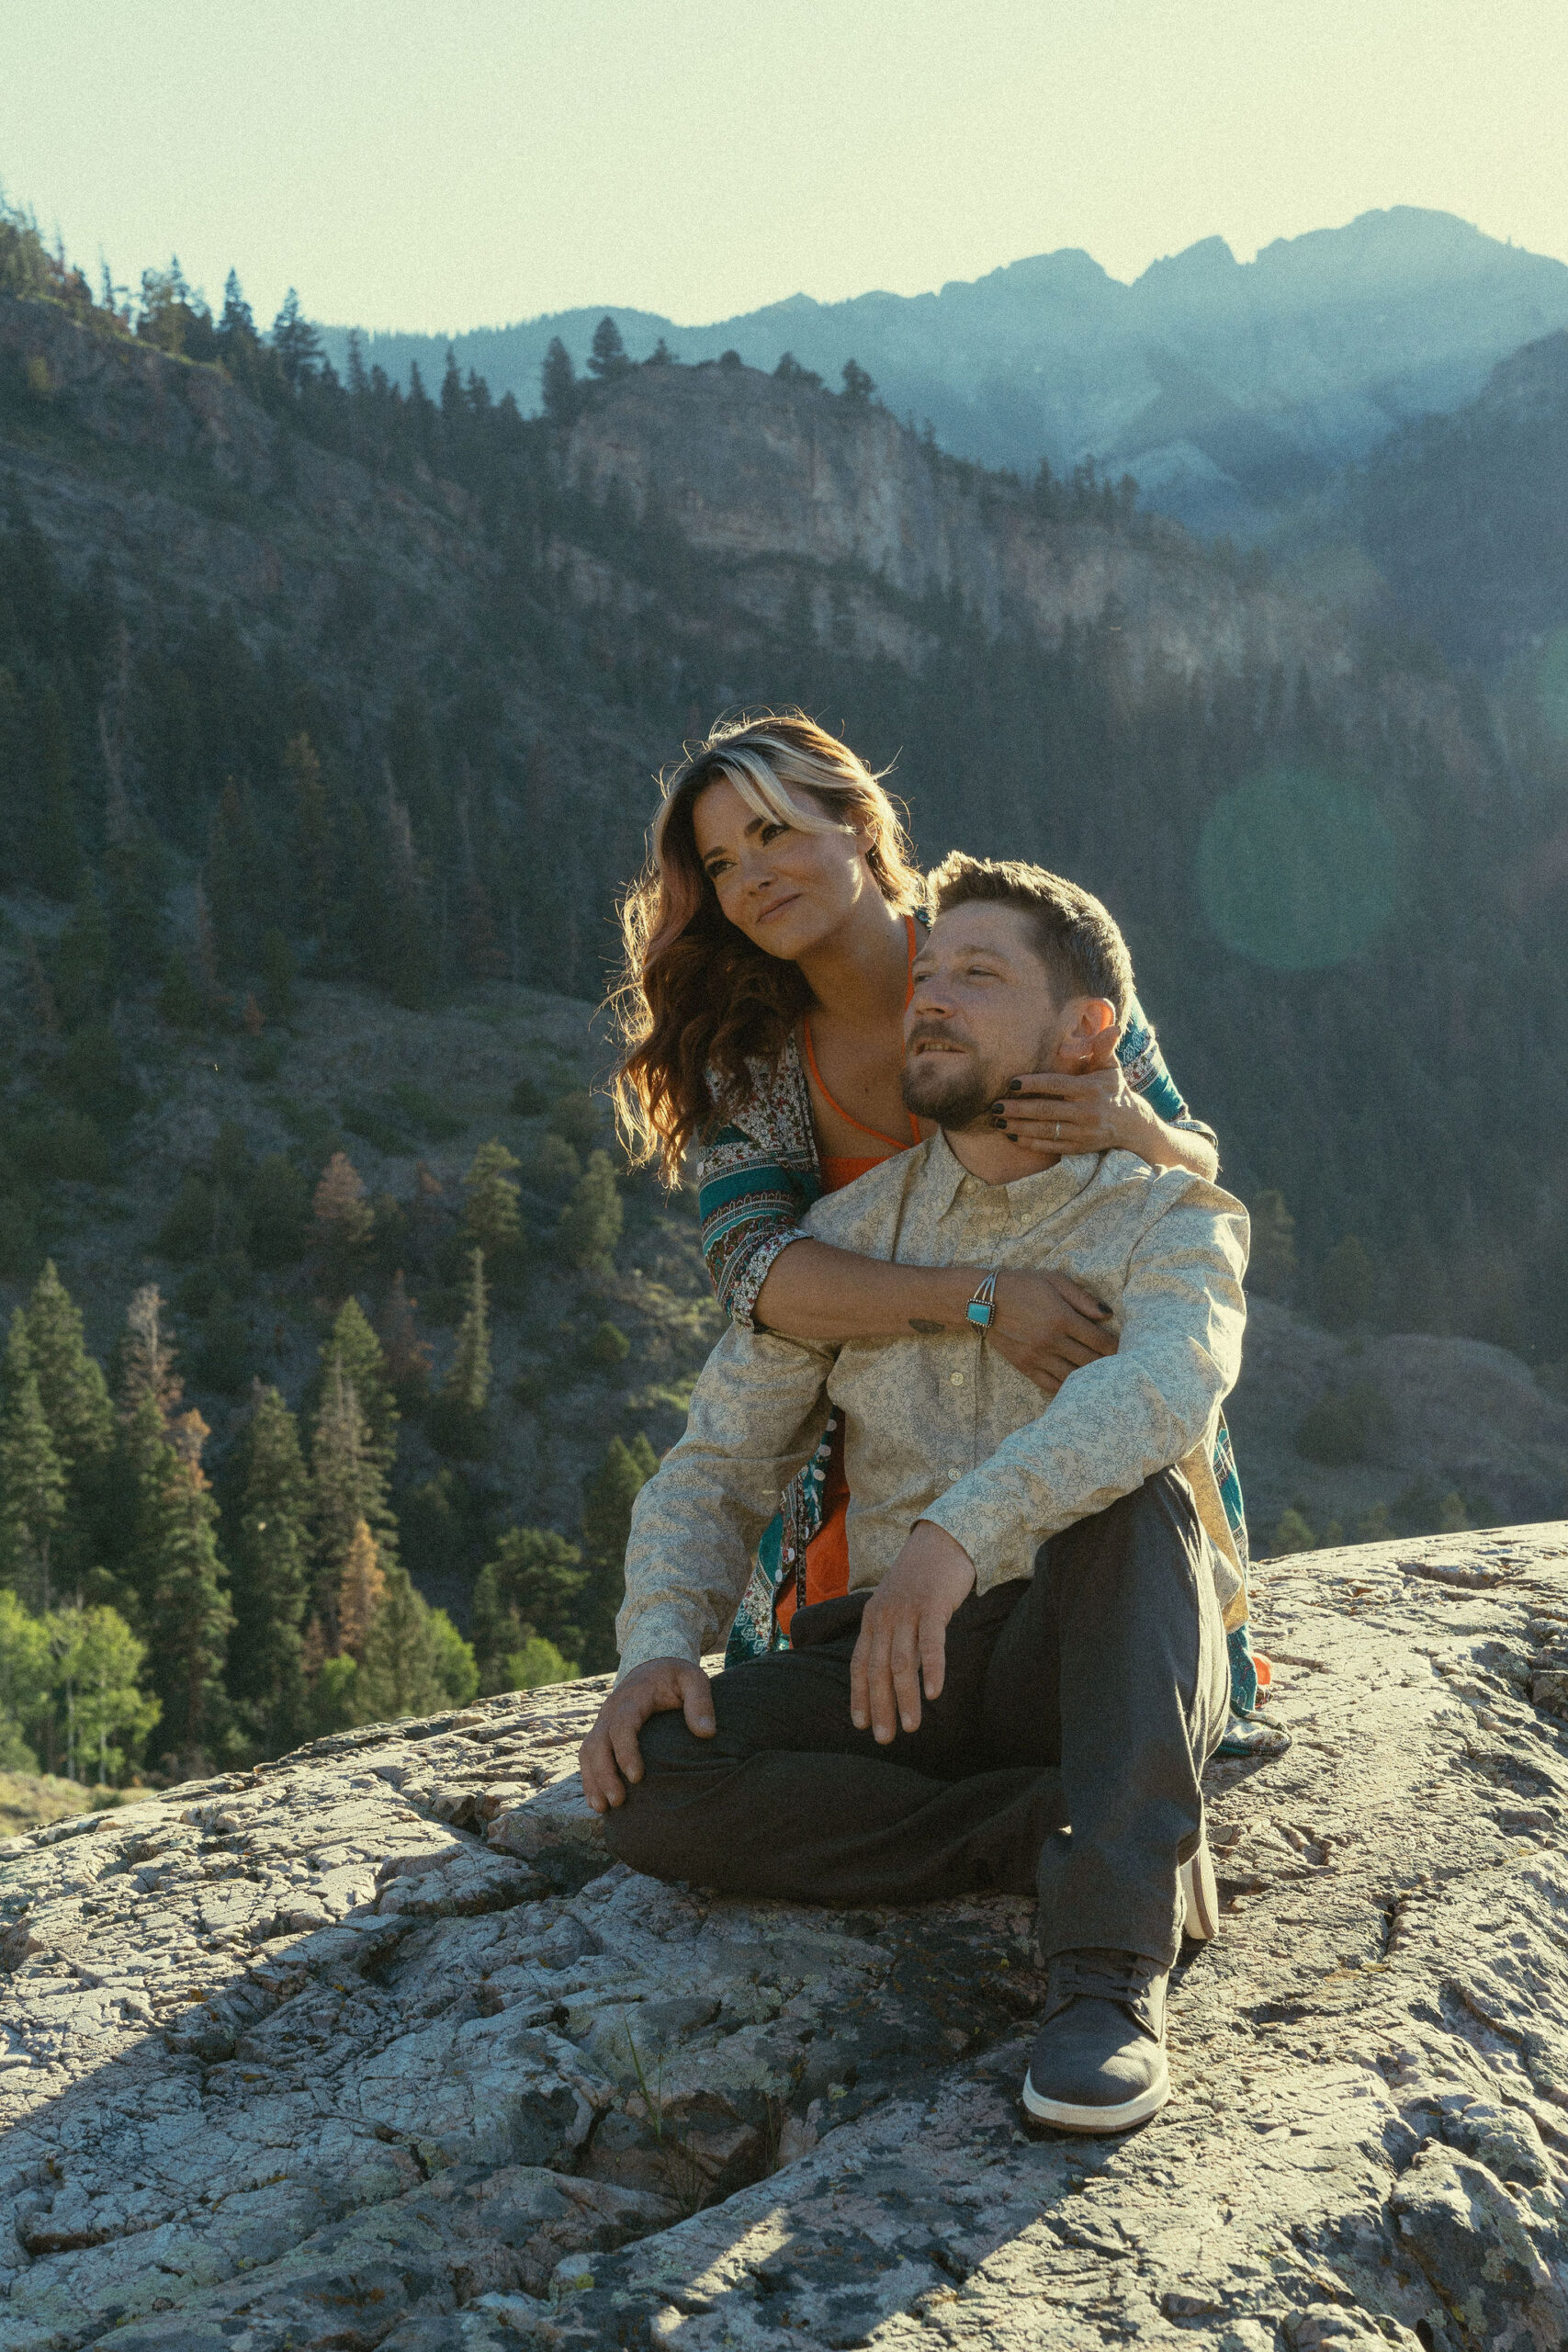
(1090, 1034)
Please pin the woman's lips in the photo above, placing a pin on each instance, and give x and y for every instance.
(767, 914)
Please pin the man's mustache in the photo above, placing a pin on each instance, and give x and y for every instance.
(935, 1032)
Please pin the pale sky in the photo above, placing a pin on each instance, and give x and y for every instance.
(436, 164)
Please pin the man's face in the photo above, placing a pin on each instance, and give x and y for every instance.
(982, 1013)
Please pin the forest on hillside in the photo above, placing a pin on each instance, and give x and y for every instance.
(210, 817)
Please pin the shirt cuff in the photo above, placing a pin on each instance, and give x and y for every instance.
(966, 1525)
(660, 1630)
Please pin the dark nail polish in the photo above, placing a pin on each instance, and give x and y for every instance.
(1014, 1085)
(997, 1123)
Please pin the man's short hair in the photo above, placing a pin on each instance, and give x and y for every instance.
(1077, 939)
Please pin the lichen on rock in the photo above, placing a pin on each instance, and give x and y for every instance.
(374, 2046)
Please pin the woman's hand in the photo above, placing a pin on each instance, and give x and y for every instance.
(1046, 1325)
(1057, 1112)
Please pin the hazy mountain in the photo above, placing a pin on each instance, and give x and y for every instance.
(1466, 517)
(1230, 389)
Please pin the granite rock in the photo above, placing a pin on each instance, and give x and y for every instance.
(376, 2047)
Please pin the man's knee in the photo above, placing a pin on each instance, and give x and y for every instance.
(1155, 1524)
(652, 1830)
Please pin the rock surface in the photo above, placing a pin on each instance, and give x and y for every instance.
(374, 2047)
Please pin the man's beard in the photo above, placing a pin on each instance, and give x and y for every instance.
(952, 1088)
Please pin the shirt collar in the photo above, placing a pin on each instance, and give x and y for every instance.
(1026, 1199)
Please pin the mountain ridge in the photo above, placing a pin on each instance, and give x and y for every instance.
(1050, 355)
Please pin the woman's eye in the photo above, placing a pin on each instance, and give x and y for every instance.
(771, 833)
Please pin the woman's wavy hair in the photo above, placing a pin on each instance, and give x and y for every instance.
(696, 1000)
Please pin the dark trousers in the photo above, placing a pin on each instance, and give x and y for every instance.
(1063, 1755)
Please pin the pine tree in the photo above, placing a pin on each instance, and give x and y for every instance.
(343, 1222)
(535, 1585)
(277, 972)
(183, 1585)
(459, 1424)
(353, 1344)
(84, 959)
(71, 1383)
(180, 1001)
(346, 1486)
(491, 1218)
(266, 1528)
(557, 383)
(362, 1588)
(407, 1355)
(32, 1481)
(496, 1628)
(415, 1661)
(591, 1223)
(147, 1358)
(313, 830)
(296, 343)
(608, 359)
(1293, 1533)
(858, 386)
(606, 1526)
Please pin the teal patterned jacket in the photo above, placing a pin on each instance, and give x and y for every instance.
(757, 1175)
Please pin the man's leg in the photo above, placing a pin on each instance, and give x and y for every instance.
(1122, 1630)
(788, 1799)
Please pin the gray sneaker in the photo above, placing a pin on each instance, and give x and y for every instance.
(1097, 2063)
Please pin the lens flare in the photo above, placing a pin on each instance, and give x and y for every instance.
(1296, 869)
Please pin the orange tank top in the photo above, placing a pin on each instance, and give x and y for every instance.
(827, 1561)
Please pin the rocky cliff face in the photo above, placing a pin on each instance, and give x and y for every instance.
(762, 472)
(375, 2047)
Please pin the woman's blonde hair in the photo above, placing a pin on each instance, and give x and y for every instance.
(696, 1000)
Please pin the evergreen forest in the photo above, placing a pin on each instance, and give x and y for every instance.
(206, 812)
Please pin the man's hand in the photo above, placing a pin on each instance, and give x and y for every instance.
(610, 1755)
(903, 1633)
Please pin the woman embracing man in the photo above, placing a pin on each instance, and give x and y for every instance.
(769, 948)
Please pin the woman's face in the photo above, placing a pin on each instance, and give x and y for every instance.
(786, 888)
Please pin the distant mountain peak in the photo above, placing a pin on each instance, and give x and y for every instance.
(1210, 256)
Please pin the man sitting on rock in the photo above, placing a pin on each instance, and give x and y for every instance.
(1021, 1688)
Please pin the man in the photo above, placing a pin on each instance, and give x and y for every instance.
(1023, 1685)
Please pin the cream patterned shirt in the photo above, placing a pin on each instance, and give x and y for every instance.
(942, 1427)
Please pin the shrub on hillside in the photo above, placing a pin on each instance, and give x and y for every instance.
(1345, 1426)
(575, 1117)
(67, 1147)
(279, 1201)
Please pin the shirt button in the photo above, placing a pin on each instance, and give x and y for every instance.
(955, 1379)
(954, 1473)
(788, 1553)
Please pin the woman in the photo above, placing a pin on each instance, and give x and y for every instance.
(768, 952)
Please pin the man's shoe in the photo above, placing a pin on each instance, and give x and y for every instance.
(1097, 2063)
(1200, 1895)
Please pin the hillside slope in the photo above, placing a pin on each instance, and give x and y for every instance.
(488, 634)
